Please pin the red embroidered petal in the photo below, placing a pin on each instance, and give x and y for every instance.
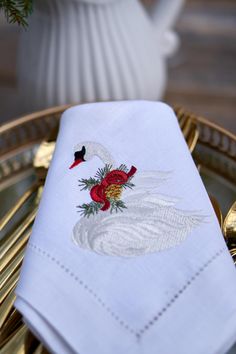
(131, 171)
(115, 177)
(106, 205)
(97, 193)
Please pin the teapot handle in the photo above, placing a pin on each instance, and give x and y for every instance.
(163, 14)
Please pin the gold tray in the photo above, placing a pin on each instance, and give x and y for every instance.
(215, 153)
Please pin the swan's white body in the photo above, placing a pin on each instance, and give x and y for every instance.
(150, 223)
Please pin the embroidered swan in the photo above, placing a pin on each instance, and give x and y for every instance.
(147, 222)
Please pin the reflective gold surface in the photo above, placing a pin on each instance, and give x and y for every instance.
(11, 268)
(7, 306)
(17, 206)
(229, 227)
(9, 285)
(14, 250)
(8, 241)
(213, 148)
(217, 210)
(44, 154)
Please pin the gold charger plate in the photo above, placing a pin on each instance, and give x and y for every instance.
(214, 154)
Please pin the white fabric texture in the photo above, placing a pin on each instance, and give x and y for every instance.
(171, 294)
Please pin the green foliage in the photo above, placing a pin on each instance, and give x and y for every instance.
(102, 172)
(87, 184)
(17, 11)
(128, 184)
(93, 208)
(89, 209)
(117, 205)
(123, 167)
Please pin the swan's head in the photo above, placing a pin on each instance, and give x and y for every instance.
(85, 151)
(80, 155)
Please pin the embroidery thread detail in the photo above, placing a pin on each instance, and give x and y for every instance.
(106, 189)
(149, 222)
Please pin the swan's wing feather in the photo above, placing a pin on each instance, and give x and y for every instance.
(140, 229)
(146, 185)
(149, 180)
(150, 223)
(148, 198)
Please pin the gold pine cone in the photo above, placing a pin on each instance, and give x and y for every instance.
(113, 191)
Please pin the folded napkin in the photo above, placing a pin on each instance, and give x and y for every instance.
(126, 254)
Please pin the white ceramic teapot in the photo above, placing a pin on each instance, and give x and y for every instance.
(95, 50)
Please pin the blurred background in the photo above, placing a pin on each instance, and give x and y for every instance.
(201, 78)
(201, 74)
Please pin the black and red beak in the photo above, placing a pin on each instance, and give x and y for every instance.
(79, 157)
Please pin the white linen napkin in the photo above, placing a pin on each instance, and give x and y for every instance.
(126, 254)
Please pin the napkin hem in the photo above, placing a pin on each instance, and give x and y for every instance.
(181, 290)
(34, 320)
(137, 333)
(82, 284)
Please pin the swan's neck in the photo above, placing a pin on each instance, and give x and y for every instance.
(95, 149)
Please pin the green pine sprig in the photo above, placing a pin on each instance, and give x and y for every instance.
(117, 205)
(89, 209)
(102, 172)
(87, 184)
(123, 167)
(17, 11)
(128, 184)
(93, 208)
